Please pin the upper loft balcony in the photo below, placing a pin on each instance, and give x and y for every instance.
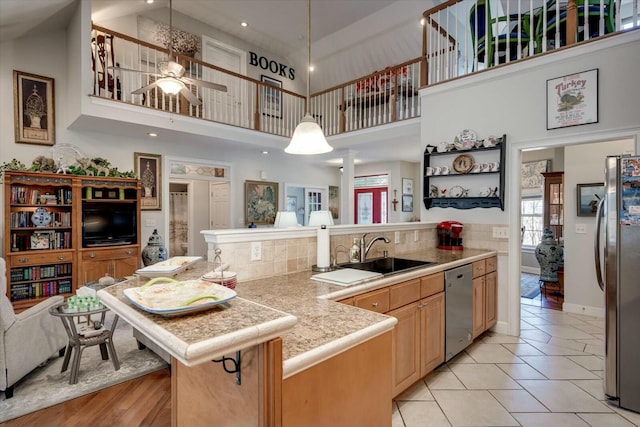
(460, 38)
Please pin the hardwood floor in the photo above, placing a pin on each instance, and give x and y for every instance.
(144, 401)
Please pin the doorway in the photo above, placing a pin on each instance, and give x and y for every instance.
(370, 205)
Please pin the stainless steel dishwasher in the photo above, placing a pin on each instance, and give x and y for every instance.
(458, 309)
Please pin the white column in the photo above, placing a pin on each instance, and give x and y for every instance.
(347, 203)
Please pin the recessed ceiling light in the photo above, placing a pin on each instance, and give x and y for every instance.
(265, 152)
(148, 1)
(422, 22)
(311, 68)
(244, 24)
(152, 134)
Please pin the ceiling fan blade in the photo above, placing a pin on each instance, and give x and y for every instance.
(133, 71)
(144, 89)
(204, 83)
(190, 96)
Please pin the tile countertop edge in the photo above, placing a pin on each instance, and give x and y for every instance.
(197, 353)
(318, 355)
(377, 283)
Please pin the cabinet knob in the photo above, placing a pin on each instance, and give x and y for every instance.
(129, 251)
(23, 260)
(61, 257)
(375, 304)
(92, 254)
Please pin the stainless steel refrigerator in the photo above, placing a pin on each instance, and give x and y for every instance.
(617, 256)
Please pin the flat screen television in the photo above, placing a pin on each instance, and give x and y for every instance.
(109, 227)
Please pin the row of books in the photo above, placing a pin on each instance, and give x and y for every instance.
(38, 272)
(23, 219)
(40, 290)
(33, 196)
(41, 240)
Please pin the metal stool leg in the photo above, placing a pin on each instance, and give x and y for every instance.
(75, 366)
(67, 356)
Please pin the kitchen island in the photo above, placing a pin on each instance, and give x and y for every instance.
(309, 360)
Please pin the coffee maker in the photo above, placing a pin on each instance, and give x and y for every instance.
(449, 235)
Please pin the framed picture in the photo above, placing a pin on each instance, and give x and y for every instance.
(334, 201)
(34, 114)
(407, 186)
(292, 204)
(588, 197)
(40, 240)
(261, 200)
(148, 168)
(531, 176)
(407, 203)
(271, 98)
(572, 100)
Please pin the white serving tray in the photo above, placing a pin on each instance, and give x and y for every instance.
(168, 268)
(169, 297)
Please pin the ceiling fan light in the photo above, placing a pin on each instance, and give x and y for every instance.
(170, 85)
(308, 138)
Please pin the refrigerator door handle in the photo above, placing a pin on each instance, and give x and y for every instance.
(596, 246)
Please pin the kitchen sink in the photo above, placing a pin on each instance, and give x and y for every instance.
(389, 265)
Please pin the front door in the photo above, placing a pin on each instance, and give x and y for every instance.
(370, 205)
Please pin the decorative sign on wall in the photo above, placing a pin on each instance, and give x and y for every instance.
(271, 65)
(572, 100)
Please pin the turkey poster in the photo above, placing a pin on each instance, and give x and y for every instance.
(572, 100)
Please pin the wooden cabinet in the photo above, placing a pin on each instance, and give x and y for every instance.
(553, 203)
(418, 337)
(43, 225)
(485, 293)
(94, 263)
(468, 181)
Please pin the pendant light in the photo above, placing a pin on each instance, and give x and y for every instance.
(308, 137)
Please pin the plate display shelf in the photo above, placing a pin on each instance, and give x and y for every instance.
(476, 189)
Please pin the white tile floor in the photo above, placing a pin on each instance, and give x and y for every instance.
(549, 376)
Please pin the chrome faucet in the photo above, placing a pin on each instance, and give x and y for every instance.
(364, 248)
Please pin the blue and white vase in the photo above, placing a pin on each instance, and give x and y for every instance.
(550, 256)
(154, 251)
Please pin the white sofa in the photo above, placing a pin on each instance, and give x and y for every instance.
(27, 339)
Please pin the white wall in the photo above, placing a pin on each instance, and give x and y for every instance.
(584, 165)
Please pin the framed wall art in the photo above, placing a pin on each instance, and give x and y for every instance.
(334, 201)
(572, 100)
(34, 114)
(531, 176)
(588, 197)
(407, 203)
(407, 186)
(148, 168)
(271, 98)
(261, 199)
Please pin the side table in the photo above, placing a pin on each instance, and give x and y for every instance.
(78, 342)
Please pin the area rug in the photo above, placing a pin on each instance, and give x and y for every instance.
(529, 285)
(47, 386)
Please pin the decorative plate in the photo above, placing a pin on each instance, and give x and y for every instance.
(463, 163)
(457, 191)
(170, 297)
(466, 137)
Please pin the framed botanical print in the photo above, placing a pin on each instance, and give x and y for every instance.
(148, 168)
(261, 199)
(34, 114)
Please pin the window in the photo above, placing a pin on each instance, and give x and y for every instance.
(531, 220)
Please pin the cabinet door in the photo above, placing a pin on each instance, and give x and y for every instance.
(432, 333)
(405, 354)
(478, 306)
(490, 296)
(116, 263)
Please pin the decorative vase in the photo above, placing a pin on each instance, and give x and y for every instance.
(550, 256)
(154, 251)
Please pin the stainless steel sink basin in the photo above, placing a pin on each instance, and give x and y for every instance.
(389, 265)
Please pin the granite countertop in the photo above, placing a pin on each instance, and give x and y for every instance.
(322, 327)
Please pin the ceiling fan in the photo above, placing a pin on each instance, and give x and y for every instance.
(171, 79)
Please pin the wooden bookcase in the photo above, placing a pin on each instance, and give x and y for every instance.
(47, 257)
(553, 203)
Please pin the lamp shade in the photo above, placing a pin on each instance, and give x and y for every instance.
(286, 219)
(170, 85)
(308, 138)
(319, 218)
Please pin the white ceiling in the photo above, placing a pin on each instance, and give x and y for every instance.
(277, 26)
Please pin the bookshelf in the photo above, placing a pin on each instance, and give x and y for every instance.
(42, 233)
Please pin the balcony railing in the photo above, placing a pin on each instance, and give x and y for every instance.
(464, 36)
(122, 65)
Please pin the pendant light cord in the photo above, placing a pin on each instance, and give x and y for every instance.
(308, 51)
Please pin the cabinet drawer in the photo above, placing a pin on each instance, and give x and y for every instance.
(40, 258)
(377, 301)
(93, 255)
(432, 284)
(491, 264)
(479, 268)
(404, 293)
(347, 301)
